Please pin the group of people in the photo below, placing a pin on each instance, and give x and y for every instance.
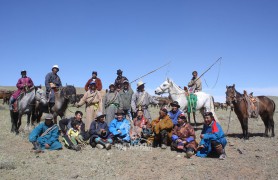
(122, 116)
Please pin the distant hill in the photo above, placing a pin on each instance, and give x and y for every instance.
(79, 90)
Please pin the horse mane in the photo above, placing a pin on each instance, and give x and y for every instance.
(68, 90)
(175, 85)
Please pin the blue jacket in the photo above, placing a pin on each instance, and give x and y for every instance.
(123, 126)
(212, 132)
(51, 138)
(174, 116)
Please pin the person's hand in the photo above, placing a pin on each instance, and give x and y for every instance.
(46, 146)
(184, 142)
(202, 136)
(179, 140)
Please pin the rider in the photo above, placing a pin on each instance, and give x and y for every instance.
(52, 82)
(195, 83)
(23, 84)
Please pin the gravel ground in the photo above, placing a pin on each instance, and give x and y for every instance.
(255, 158)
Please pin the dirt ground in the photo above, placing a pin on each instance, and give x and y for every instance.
(255, 158)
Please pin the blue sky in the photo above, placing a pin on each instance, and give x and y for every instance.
(138, 36)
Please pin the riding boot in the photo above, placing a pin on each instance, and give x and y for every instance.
(11, 105)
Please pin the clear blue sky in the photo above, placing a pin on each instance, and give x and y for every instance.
(138, 36)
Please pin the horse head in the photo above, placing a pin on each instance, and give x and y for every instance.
(41, 96)
(230, 94)
(164, 87)
(69, 93)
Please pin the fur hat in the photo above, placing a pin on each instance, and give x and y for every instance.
(175, 104)
(48, 116)
(119, 71)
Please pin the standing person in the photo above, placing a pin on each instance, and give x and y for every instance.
(45, 135)
(162, 128)
(183, 137)
(96, 80)
(142, 99)
(213, 139)
(111, 103)
(195, 84)
(126, 96)
(175, 112)
(52, 84)
(65, 125)
(99, 133)
(119, 80)
(23, 84)
(93, 100)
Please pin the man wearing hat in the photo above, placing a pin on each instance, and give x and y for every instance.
(125, 96)
(195, 84)
(120, 128)
(183, 137)
(93, 100)
(45, 135)
(23, 84)
(111, 103)
(175, 112)
(52, 83)
(162, 128)
(213, 139)
(99, 133)
(142, 99)
(119, 80)
(96, 80)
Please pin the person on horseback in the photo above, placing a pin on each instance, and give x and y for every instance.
(183, 137)
(52, 84)
(195, 84)
(96, 80)
(23, 84)
(213, 139)
(119, 81)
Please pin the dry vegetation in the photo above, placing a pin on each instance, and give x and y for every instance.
(255, 158)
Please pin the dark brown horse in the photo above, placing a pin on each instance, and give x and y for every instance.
(266, 110)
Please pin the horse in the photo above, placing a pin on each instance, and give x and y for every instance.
(205, 101)
(266, 110)
(66, 95)
(25, 105)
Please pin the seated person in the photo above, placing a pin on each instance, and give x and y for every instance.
(65, 125)
(162, 128)
(45, 135)
(74, 134)
(99, 133)
(175, 112)
(183, 137)
(120, 128)
(213, 139)
(141, 127)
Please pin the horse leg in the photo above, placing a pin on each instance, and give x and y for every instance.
(12, 121)
(266, 124)
(18, 123)
(188, 116)
(194, 117)
(245, 127)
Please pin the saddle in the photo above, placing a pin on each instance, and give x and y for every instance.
(252, 104)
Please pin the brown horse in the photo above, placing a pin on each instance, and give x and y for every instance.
(266, 110)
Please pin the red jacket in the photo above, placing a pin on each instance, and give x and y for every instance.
(21, 83)
(98, 84)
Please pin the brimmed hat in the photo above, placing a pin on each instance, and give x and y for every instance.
(140, 83)
(175, 104)
(120, 112)
(111, 85)
(92, 83)
(182, 116)
(94, 72)
(55, 66)
(164, 109)
(48, 116)
(99, 115)
(119, 71)
(125, 81)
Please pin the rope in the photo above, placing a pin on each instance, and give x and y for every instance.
(219, 67)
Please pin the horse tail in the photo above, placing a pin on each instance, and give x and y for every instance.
(274, 106)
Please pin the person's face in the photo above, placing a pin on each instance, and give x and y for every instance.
(55, 70)
(93, 87)
(174, 108)
(119, 117)
(195, 74)
(180, 121)
(23, 74)
(101, 119)
(162, 113)
(94, 76)
(48, 122)
(76, 126)
(120, 74)
(207, 120)
(125, 86)
(78, 117)
(112, 88)
(140, 113)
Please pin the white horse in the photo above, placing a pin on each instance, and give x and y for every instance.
(204, 100)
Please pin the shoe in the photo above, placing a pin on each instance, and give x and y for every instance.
(163, 146)
(99, 146)
(76, 148)
(108, 146)
(222, 156)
